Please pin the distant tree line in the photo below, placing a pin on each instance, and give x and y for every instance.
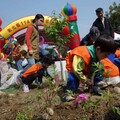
(114, 16)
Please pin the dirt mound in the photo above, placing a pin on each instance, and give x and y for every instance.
(32, 106)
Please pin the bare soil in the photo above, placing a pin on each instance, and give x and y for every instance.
(16, 105)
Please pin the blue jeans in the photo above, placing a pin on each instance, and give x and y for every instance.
(72, 82)
(19, 64)
(31, 61)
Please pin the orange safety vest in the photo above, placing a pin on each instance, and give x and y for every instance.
(33, 69)
(112, 69)
(81, 51)
(117, 53)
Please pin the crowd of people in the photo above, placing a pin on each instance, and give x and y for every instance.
(98, 46)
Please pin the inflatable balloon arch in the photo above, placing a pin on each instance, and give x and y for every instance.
(7, 43)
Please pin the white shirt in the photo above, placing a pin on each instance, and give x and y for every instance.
(103, 22)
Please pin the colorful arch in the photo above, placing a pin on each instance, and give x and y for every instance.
(18, 25)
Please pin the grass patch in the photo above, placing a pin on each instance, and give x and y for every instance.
(12, 89)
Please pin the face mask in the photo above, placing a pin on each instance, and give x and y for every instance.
(40, 21)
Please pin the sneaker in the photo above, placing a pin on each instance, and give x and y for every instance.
(97, 90)
(25, 88)
(102, 84)
(68, 98)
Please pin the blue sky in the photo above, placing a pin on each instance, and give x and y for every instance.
(10, 10)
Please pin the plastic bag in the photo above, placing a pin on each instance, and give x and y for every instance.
(43, 49)
(5, 81)
(4, 67)
(25, 62)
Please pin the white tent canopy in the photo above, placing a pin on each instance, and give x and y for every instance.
(116, 36)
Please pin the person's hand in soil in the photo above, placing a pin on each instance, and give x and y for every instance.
(89, 84)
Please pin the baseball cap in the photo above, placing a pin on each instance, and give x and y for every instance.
(94, 32)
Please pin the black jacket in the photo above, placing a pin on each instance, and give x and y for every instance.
(104, 30)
